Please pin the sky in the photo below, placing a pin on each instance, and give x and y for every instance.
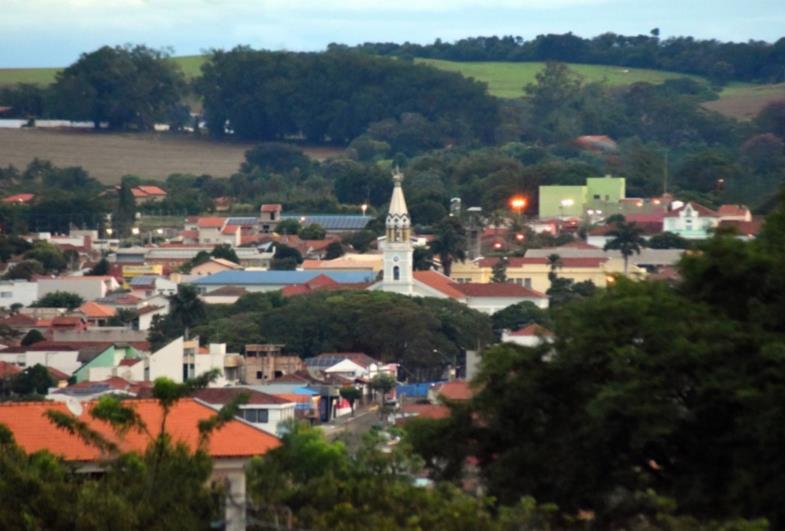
(54, 32)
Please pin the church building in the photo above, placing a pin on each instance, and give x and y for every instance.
(398, 275)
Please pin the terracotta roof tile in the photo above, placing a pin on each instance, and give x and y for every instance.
(225, 394)
(457, 390)
(94, 310)
(439, 282)
(500, 289)
(33, 431)
(8, 369)
(702, 210)
(533, 329)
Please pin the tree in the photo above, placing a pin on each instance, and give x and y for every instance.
(350, 394)
(277, 157)
(422, 259)
(121, 86)
(32, 337)
(289, 227)
(285, 258)
(625, 238)
(226, 252)
(25, 270)
(499, 271)
(314, 231)
(449, 242)
(34, 380)
(101, 268)
(333, 250)
(49, 256)
(187, 309)
(59, 299)
(554, 264)
(517, 315)
(123, 317)
(383, 384)
(667, 240)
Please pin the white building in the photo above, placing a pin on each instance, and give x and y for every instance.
(89, 288)
(261, 410)
(692, 221)
(531, 335)
(17, 292)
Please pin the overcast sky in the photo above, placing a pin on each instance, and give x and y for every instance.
(55, 32)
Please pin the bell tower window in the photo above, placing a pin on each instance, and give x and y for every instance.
(396, 273)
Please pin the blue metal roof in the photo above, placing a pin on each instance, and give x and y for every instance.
(332, 221)
(242, 221)
(280, 277)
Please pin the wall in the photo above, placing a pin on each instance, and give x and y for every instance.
(491, 305)
(552, 196)
(17, 292)
(605, 189)
(168, 361)
(87, 288)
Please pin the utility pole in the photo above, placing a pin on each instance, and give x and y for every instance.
(665, 174)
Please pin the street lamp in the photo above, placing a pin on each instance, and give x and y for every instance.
(518, 203)
(364, 208)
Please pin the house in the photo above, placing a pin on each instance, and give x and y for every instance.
(145, 315)
(172, 256)
(264, 411)
(17, 292)
(332, 223)
(214, 265)
(87, 391)
(89, 288)
(573, 201)
(96, 314)
(692, 221)
(351, 365)
(322, 282)
(266, 362)
(371, 263)
(230, 447)
(531, 335)
(734, 213)
(148, 194)
(269, 216)
(61, 356)
(211, 230)
(261, 281)
(225, 295)
(144, 286)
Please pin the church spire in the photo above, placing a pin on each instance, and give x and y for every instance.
(398, 223)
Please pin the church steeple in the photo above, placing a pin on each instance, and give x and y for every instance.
(398, 223)
(397, 245)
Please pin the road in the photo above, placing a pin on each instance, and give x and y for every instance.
(351, 429)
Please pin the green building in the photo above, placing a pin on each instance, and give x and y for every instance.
(106, 359)
(603, 193)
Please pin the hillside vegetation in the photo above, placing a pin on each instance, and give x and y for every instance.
(505, 80)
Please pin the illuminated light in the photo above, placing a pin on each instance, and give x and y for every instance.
(567, 202)
(609, 279)
(519, 236)
(656, 201)
(518, 202)
(364, 207)
(590, 212)
(135, 231)
(497, 245)
(639, 204)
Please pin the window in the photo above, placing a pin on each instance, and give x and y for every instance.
(250, 415)
(527, 282)
(257, 416)
(6, 294)
(396, 273)
(258, 375)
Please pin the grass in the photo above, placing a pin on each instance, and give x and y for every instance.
(506, 80)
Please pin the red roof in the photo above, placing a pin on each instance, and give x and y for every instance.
(57, 374)
(273, 207)
(96, 311)
(457, 390)
(497, 289)
(19, 198)
(210, 222)
(566, 261)
(428, 411)
(230, 229)
(702, 211)
(733, 211)
(226, 394)
(439, 282)
(533, 329)
(8, 369)
(33, 431)
(147, 191)
(743, 228)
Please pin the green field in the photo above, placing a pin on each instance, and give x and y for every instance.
(506, 80)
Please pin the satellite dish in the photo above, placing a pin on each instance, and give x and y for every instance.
(74, 406)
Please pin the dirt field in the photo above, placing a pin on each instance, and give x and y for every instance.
(744, 101)
(109, 156)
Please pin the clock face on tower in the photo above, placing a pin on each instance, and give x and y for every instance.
(395, 259)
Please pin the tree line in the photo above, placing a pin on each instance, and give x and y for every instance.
(756, 61)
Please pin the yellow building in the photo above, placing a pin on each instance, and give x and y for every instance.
(533, 272)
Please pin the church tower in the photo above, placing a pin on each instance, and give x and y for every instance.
(397, 246)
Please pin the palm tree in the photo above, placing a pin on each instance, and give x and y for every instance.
(627, 239)
(186, 308)
(554, 262)
(449, 242)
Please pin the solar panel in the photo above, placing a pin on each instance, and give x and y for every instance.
(332, 221)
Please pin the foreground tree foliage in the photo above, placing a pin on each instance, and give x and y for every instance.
(647, 388)
(164, 487)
